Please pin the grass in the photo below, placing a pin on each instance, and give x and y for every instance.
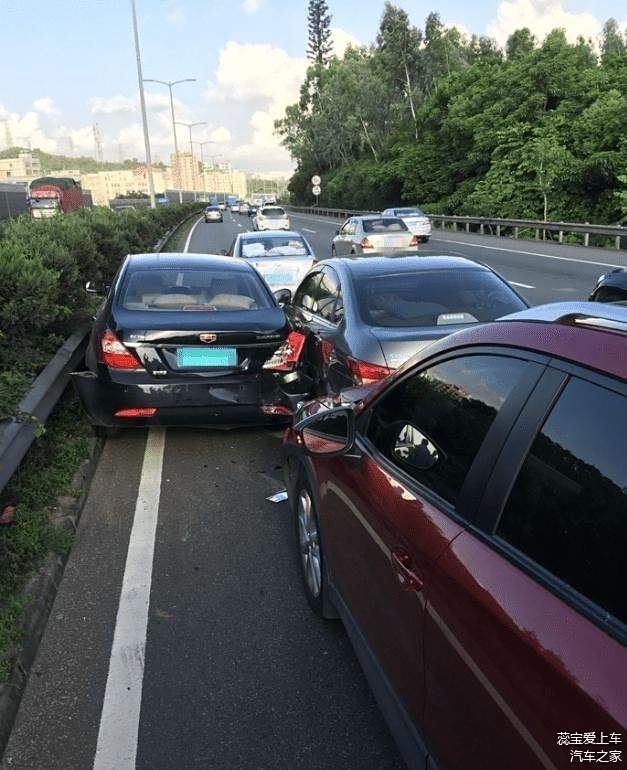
(45, 474)
(176, 242)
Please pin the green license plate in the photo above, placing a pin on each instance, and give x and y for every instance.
(193, 358)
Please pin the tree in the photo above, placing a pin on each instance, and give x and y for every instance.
(319, 25)
(398, 47)
(520, 43)
(613, 43)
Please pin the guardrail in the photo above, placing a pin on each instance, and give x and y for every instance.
(495, 225)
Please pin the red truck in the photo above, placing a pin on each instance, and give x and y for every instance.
(49, 195)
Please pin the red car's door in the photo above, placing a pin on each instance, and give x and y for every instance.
(527, 615)
(388, 515)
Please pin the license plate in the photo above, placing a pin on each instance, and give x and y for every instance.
(194, 358)
(390, 240)
(279, 277)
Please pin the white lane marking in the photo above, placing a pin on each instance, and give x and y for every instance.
(307, 230)
(521, 285)
(119, 721)
(530, 253)
(191, 232)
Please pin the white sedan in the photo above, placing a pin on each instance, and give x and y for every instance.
(281, 258)
(416, 220)
(271, 218)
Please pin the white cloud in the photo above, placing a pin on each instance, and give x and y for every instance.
(463, 29)
(250, 6)
(220, 135)
(341, 40)
(541, 16)
(113, 105)
(45, 105)
(26, 130)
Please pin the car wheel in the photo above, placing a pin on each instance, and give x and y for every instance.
(310, 554)
(425, 239)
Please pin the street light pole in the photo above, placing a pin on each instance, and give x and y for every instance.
(170, 84)
(142, 101)
(191, 143)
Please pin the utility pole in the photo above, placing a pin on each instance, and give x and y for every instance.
(170, 84)
(97, 143)
(142, 101)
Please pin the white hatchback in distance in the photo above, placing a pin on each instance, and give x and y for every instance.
(271, 218)
(416, 220)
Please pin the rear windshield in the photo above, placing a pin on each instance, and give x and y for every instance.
(384, 225)
(274, 245)
(212, 208)
(434, 298)
(409, 213)
(273, 213)
(200, 290)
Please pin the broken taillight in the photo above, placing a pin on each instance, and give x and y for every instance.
(287, 355)
(115, 354)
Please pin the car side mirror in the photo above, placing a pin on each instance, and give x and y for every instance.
(337, 232)
(327, 433)
(283, 296)
(413, 448)
(91, 287)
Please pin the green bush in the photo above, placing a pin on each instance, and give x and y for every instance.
(44, 265)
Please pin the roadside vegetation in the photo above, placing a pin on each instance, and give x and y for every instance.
(459, 126)
(44, 265)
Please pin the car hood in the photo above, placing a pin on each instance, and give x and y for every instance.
(398, 345)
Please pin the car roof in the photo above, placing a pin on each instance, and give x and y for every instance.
(364, 266)
(616, 277)
(373, 216)
(185, 260)
(564, 330)
(256, 234)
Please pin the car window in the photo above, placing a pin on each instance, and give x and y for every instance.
(328, 296)
(160, 289)
(409, 212)
(261, 245)
(384, 225)
(433, 423)
(307, 293)
(434, 298)
(345, 227)
(273, 213)
(568, 507)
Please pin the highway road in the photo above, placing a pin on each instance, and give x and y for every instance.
(180, 637)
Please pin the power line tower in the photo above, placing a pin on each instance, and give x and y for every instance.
(8, 139)
(98, 143)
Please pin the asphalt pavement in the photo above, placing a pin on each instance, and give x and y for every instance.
(180, 637)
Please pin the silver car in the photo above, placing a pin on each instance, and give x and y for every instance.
(415, 219)
(281, 258)
(373, 233)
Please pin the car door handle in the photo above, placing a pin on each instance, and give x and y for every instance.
(402, 565)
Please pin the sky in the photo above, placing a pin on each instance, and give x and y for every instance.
(67, 64)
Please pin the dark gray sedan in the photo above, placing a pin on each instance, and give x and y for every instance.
(355, 320)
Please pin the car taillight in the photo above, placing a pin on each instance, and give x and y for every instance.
(365, 244)
(414, 241)
(115, 355)
(147, 411)
(276, 409)
(286, 357)
(363, 372)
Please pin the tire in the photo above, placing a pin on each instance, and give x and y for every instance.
(102, 432)
(309, 551)
(333, 252)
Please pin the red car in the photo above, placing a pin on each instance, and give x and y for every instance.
(466, 518)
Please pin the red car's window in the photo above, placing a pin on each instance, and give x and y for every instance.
(568, 508)
(432, 425)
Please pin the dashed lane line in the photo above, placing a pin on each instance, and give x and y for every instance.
(119, 721)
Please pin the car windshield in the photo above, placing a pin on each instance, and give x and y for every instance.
(274, 245)
(409, 213)
(273, 213)
(212, 208)
(189, 290)
(434, 298)
(44, 203)
(384, 225)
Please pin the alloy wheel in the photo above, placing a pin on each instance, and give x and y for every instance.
(309, 543)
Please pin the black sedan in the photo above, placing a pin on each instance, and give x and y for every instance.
(611, 287)
(181, 339)
(354, 320)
